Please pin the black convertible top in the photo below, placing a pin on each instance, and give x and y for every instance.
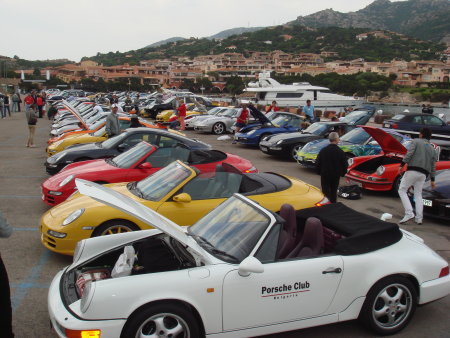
(363, 233)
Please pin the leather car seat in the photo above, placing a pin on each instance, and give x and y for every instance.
(312, 240)
(288, 235)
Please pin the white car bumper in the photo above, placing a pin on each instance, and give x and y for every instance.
(62, 319)
(434, 289)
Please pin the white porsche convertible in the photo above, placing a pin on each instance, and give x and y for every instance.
(243, 271)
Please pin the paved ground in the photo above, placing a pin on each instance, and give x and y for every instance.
(31, 267)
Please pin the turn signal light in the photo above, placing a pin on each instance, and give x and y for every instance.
(83, 333)
(394, 125)
(444, 272)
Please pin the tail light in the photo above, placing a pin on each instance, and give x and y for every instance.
(444, 272)
(323, 202)
(83, 333)
(394, 125)
(251, 170)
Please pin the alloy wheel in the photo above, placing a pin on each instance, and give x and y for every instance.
(164, 325)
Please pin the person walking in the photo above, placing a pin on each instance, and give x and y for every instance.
(29, 100)
(5, 293)
(421, 160)
(331, 164)
(308, 110)
(182, 114)
(31, 115)
(241, 119)
(6, 105)
(112, 122)
(16, 102)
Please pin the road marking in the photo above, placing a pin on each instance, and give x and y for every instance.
(22, 288)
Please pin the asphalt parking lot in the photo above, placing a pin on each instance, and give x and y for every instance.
(31, 267)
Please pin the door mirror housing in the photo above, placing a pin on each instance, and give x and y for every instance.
(145, 165)
(183, 198)
(121, 147)
(250, 265)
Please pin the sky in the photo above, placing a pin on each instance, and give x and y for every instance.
(54, 29)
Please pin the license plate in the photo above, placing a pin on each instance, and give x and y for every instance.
(427, 203)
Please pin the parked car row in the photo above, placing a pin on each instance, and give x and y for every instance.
(217, 236)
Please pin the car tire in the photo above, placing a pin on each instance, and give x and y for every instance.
(114, 227)
(218, 128)
(389, 306)
(294, 150)
(396, 185)
(164, 320)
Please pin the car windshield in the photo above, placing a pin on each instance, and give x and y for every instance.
(109, 143)
(316, 129)
(131, 156)
(159, 184)
(227, 113)
(286, 121)
(356, 136)
(230, 231)
(353, 117)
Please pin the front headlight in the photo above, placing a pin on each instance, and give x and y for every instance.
(279, 142)
(350, 162)
(66, 180)
(251, 132)
(380, 170)
(73, 216)
(55, 158)
(88, 294)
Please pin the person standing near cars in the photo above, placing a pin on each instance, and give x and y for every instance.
(5, 293)
(16, 102)
(273, 107)
(308, 110)
(182, 114)
(6, 105)
(331, 164)
(421, 159)
(29, 100)
(31, 115)
(112, 122)
(241, 119)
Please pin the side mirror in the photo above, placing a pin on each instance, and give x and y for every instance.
(183, 198)
(145, 165)
(250, 265)
(121, 147)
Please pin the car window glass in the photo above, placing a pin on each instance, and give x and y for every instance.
(398, 117)
(432, 121)
(268, 249)
(132, 140)
(131, 156)
(167, 142)
(163, 156)
(221, 185)
(417, 119)
(356, 136)
(317, 128)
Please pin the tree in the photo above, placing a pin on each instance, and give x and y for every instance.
(37, 72)
(235, 85)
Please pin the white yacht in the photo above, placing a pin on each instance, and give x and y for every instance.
(267, 90)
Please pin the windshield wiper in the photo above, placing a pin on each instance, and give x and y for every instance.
(135, 190)
(203, 241)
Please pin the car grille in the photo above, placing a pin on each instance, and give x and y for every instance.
(49, 240)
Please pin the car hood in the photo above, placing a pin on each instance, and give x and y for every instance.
(386, 141)
(123, 203)
(293, 137)
(258, 115)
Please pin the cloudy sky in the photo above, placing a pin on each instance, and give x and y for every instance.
(51, 29)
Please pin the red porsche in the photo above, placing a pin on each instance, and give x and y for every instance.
(380, 172)
(134, 165)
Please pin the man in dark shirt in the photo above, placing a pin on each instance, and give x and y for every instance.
(331, 164)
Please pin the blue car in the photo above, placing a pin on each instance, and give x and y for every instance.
(283, 123)
(356, 142)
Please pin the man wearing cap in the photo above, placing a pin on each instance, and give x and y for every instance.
(112, 122)
(421, 159)
(331, 164)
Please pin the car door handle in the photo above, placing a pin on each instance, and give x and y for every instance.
(336, 270)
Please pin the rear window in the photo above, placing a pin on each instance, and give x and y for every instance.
(398, 117)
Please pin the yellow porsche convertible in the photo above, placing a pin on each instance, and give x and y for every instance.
(176, 192)
(191, 109)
